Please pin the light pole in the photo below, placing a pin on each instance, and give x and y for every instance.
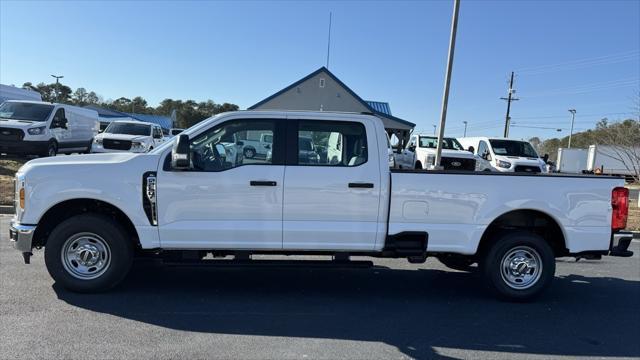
(434, 129)
(573, 118)
(447, 81)
(465, 129)
(57, 86)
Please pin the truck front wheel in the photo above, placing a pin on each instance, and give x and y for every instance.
(518, 266)
(88, 253)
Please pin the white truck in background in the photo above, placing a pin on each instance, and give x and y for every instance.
(186, 202)
(46, 129)
(571, 161)
(129, 136)
(420, 153)
(613, 160)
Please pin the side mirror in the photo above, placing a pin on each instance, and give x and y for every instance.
(545, 158)
(267, 146)
(60, 123)
(240, 143)
(181, 153)
(471, 149)
(157, 136)
(412, 148)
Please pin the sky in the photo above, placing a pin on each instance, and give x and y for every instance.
(575, 54)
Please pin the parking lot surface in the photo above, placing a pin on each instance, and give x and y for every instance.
(395, 310)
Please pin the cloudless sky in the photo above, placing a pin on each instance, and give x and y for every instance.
(566, 54)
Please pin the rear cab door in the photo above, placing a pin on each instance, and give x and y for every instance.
(332, 196)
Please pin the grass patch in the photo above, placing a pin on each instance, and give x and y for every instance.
(8, 168)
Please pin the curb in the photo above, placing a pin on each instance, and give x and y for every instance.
(6, 209)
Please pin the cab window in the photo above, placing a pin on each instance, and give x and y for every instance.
(226, 146)
(331, 143)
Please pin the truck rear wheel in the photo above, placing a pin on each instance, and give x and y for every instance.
(88, 253)
(519, 266)
(418, 165)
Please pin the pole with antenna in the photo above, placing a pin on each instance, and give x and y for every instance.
(329, 41)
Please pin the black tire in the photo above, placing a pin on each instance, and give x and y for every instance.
(249, 153)
(458, 262)
(52, 149)
(107, 231)
(418, 165)
(515, 245)
(88, 150)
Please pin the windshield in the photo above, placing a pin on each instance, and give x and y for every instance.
(447, 143)
(25, 111)
(128, 128)
(513, 148)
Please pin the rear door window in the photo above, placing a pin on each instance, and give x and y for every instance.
(331, 143)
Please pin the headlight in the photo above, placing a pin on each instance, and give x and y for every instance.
(97, 141)
(137, 145)
(504, 164)
(36, 130)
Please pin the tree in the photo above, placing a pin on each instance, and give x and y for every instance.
(80, 96)
(537, 144)
(623, 138)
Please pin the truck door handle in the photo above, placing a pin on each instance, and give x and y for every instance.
(361, 185)
(262, 183)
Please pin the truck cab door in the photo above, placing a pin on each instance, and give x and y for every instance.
(331, 202)
(224, 200)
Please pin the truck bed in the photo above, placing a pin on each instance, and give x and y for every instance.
(455, 208)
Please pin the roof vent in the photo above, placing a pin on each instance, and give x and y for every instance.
(321, 82)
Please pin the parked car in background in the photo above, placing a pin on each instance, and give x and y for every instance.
(256, 144)
(505, 155)
(420, 153)
(572, 161)
(46, 129)
(185, 201)
(129, 136)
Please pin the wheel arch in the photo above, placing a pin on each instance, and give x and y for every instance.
(533, 220)
(66, 209)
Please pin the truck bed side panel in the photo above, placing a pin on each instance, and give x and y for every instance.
(455, 209)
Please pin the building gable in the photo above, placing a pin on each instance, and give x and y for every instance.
(320, 91)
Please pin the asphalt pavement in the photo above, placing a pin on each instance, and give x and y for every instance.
(394, 310)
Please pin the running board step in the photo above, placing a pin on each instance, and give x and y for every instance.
(273, 263)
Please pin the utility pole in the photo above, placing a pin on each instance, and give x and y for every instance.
(509, 99)
(465, 129)
(573, 118)
(57, 86)
(329, 41)
(447, 82)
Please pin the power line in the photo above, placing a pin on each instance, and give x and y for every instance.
(581, 63)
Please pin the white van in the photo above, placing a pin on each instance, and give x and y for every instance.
(41, 128)
(505, 155)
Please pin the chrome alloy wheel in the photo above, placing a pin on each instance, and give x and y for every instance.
(86, 256)
(521, 267)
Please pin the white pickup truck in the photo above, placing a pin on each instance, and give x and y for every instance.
(187, 201)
